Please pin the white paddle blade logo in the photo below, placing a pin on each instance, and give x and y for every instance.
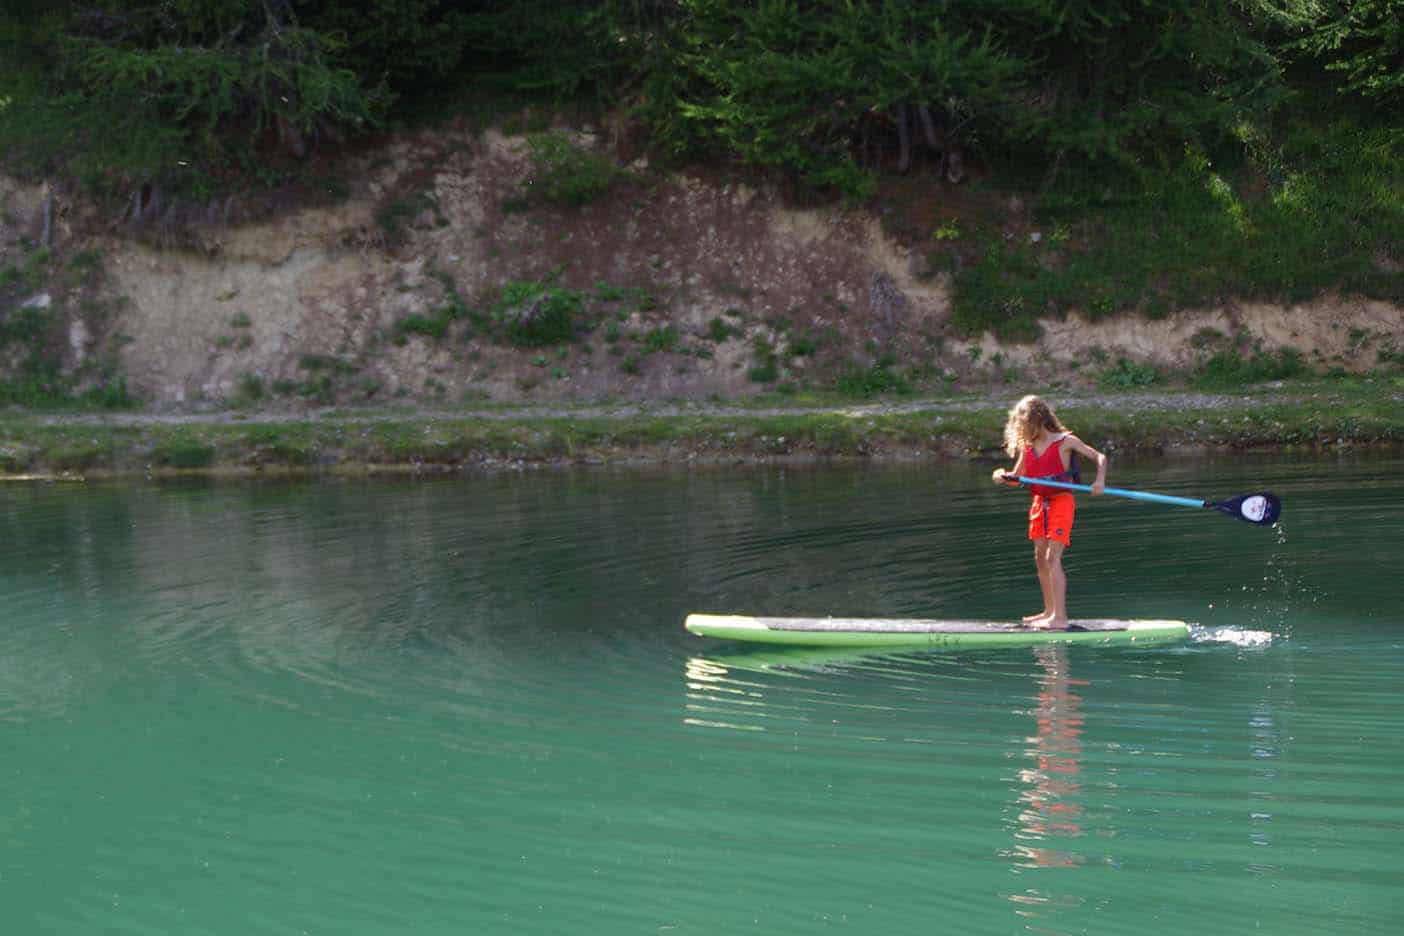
(1254, 508)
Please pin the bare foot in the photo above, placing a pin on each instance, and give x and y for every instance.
(1030, 618)
(1052, 623)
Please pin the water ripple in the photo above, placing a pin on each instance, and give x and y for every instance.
(469, 706)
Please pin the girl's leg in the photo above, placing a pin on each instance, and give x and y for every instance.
(1058, 586)
(1045, 585)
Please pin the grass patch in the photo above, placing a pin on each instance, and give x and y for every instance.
(1305, 414)
(430, 326)
(183, 451)
(874, 380)
(278, 444)
(436, 324)
(1283, 224)
(1229, 368)
(325, 363)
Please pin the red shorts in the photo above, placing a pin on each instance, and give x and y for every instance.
(1051, 518)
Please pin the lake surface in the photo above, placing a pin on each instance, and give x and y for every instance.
(468, 706)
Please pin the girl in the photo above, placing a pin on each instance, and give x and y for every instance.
(1043, 448)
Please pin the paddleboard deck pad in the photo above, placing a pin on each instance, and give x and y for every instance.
(917, 633)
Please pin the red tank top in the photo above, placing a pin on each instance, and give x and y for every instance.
(1047, 465)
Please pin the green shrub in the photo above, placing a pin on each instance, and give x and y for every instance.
(182, 451)
(534, 315)
(437, 323)
(251, 390)
(27, 326)
(765, 367)
(661, 339)
(566, 174)
(34, 388)
(1127, 375)
(1230, 368)
(765, 371)
(320, 389)
(802, 346)
(719, 330)
(111, 393)
(872, 381)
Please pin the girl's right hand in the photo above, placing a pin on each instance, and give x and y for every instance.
(998, 476)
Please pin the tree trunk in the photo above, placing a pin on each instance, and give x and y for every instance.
(290, 136)
(1053, 171)
(46, 231)
(928, 126)
(955, 166)
(904, 139)
(153, 202)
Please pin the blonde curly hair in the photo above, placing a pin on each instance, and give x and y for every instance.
(1026, 419)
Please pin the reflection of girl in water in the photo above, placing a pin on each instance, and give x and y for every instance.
(1048, 805)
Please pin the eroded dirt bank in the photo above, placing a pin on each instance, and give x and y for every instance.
(695, 288)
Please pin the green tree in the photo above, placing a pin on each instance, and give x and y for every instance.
(1121, 78)
(1364, 41)
(820, 87)
(121, 88)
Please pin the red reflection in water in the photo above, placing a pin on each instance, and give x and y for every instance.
(1049, 806)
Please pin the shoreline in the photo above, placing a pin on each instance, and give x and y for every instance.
(236, 443)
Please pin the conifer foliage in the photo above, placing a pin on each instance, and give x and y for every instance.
(205, 93)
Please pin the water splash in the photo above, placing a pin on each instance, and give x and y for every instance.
(1238, 636)
(1273, 599)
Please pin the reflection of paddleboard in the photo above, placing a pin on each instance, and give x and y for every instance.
(771, 657)
(896, 632)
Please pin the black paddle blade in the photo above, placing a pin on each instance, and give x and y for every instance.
(1262, 509)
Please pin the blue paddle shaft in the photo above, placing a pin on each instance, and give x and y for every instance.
(1114, 492)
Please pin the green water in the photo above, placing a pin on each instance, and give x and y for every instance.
(468, 706)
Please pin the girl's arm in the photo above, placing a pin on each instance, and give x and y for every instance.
(1018, 469)
(1087, 451)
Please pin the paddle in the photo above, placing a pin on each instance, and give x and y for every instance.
(1260, 509)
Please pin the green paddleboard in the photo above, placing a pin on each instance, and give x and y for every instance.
(917, 633)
